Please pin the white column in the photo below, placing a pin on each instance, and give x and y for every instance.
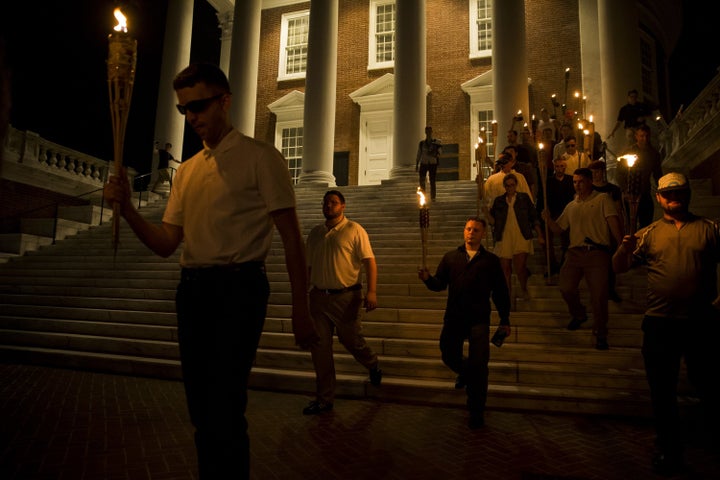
(320, 85)
(225, 21)
(243, 69)
(509, 65)
(591, 62)
(410, 102)
(620, 57)
(169, 124)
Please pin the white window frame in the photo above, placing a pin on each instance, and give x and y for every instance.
(282, 62)
(280, 128)
(475, 51)
(372, 40)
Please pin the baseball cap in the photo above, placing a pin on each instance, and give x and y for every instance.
(673, 181)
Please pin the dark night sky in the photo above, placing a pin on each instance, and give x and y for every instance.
(57, 52)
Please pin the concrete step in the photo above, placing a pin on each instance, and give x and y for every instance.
(78, 304)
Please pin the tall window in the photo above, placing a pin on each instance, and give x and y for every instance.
(292, 150)
(484, 120)
(648, 64)
(382, 34)
(294, 45)
(480, 28)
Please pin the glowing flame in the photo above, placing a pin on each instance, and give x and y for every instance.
(541, 146)
(591, 119)
(577, 94)
(586, 131)
(630, 159)
(421, 196)
(122, 21)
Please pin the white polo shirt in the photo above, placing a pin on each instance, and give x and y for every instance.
(222, 199)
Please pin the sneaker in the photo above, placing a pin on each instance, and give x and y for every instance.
(375, 376)
(602, 344)
(316, 407)
(575, 323)
(460, 382)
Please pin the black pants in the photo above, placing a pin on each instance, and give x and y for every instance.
(221, 312)
(475, 367)
(666, 341)
(432, 170)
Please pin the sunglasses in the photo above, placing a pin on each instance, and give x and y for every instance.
(567, 145)
(198, 106)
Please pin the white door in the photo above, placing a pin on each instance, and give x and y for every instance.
(375, 149)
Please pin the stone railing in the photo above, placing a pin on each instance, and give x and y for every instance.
(692, 136)
(30, 159)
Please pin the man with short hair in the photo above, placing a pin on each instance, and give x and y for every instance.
(591, 218)
(472, 276)
(337, 250)
(682, 320)
(647, 170)
(631, 116)
(223, 205)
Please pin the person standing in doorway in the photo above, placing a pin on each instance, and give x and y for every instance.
(428, 160)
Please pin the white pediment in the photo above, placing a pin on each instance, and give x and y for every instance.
(478, 86)
(289, 107)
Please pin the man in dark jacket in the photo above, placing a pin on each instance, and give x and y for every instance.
(472, 275)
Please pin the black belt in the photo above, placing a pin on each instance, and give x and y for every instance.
(335, 291)
(220, 271)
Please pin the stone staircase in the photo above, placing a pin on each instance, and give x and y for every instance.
(73, 305)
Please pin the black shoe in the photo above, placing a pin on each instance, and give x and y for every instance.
(613, 295)
(668, 465)
(460, 382)
(575, 323)
(602, 344)
(316, 407)
(375, 376)
(477, 420)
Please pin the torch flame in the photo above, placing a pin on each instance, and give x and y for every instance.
(630, 159)
(421, 196)
(591, 118)
(541, 146)
(122, 21)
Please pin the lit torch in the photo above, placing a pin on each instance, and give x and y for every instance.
(424, 225)
(633, 189)
(480, 159)
(122, 56)
(542, 164)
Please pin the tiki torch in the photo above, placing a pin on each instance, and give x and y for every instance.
(494, 132)
(633, 190)
(424, 225)
(480, 159)
(542, 164)
(122, 56)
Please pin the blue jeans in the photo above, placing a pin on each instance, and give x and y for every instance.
(220, 312)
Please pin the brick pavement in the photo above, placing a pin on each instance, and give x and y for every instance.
(71, 425)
